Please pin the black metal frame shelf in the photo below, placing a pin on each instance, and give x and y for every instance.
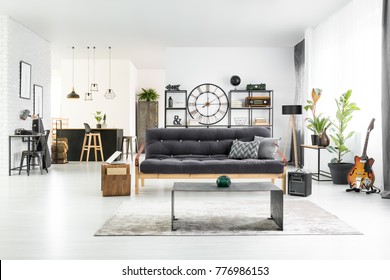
(179, 109)
(248, 111)
(319, 173)
(251, 109)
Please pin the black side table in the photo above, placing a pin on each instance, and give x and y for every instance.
(316, 176)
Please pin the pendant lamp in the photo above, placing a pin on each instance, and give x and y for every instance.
(110, 94)
(88, 95)
(73, 94)
(94, 85)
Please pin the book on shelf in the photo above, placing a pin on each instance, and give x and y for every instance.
(260, 121)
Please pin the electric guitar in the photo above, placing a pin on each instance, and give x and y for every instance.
(361, 175)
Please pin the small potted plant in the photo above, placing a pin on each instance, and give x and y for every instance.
(98, 118)
(317, 123)
(339, 135)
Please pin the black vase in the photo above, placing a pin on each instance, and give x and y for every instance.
(315, 140)
(339, 172)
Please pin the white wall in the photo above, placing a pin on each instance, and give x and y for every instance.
(344, 52)
(120, 110)
(153, 78)
(18, 43)
(190, 67)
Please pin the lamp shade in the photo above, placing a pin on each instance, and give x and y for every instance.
(73, 95)
(24, 114)
(292, 110)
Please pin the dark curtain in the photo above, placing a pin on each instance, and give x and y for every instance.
(386, 99)
(299, 62)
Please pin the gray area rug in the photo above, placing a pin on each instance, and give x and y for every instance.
(140, 218)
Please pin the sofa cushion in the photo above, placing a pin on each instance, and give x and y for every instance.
(197, 141)
(242, 150)
(217, 164)
(268, 147)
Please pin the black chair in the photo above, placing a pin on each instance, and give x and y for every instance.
(38, 151)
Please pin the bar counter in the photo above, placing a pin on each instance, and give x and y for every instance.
(111, 141)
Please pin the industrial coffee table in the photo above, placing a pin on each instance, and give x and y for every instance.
(275, 192)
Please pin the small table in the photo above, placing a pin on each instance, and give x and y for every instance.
(116, 179)
(275, 193)
(317, 175)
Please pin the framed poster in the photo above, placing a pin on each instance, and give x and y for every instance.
(38, 101)
(25, 80)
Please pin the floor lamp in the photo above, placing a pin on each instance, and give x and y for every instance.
(292, 110)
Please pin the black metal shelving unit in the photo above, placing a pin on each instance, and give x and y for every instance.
(179, 108)
(237, 115)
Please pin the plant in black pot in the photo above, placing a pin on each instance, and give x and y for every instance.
(317, 123)
(98, 117)
(339, 135)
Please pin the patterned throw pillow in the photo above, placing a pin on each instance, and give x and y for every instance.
(268, 147)
(242, 150)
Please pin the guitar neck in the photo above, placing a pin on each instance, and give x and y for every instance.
(364, 155)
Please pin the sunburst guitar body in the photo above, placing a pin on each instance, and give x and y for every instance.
(361, 175)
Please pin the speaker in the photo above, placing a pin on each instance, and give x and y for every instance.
(299, 183)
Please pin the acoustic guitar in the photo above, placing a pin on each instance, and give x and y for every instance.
(361, 175)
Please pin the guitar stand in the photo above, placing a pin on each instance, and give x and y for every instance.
(367, 190)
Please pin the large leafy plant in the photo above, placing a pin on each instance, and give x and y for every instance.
(317, 123)
(148, 94)
(339, 134)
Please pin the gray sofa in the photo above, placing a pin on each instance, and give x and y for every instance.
(201, 153)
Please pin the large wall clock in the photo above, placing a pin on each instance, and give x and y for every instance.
(208, 104)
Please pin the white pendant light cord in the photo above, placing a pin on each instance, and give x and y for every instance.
(109, 68)
(88, 69)
(94, 66)
(73, 67)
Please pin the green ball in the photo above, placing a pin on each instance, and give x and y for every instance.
(223, 182)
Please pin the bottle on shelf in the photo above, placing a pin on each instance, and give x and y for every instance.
(170, 102)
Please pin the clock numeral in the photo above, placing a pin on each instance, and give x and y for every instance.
(207, 87)
(194, 112)
(205, 120)
(200, 90)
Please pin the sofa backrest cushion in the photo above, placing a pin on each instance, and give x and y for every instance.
(197, 141)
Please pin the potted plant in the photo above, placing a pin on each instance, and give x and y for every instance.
(317, 123)
(339, 135)
(98, 118)
(147, 112)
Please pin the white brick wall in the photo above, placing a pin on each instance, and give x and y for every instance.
(18, 43)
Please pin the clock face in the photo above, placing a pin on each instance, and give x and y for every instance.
(208, 104)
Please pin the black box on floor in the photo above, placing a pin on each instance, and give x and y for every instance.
(299, 183)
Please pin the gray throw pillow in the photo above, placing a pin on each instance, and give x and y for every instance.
(242, 150)
(268, 147)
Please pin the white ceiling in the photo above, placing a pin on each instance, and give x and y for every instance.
(141, 29)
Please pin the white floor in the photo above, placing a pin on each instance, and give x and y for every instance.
(55, 216)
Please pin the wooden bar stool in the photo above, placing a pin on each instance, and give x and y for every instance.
(88, 145)
(129, 142)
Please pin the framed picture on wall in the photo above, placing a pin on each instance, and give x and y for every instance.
(25, 80)
(38, 101)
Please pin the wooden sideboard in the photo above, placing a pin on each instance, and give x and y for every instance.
(111, 141)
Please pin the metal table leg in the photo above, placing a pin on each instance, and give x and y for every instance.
(277, 208)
